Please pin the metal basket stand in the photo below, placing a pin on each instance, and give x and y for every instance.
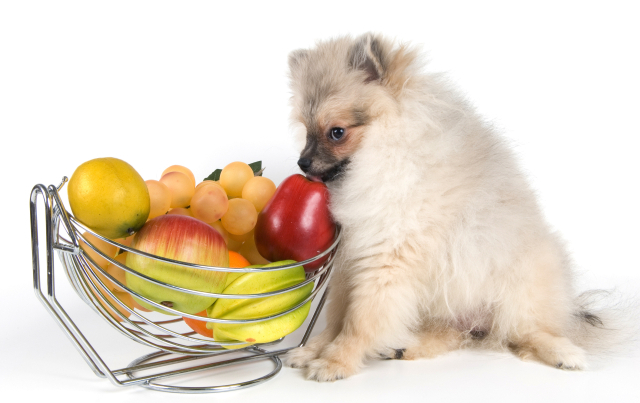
(173, 346)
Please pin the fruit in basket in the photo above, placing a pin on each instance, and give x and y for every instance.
(109, 250)
(184, 170)
(139, 307)
(117, 272)
(160, 198)
(231, 244)
(181, 187)
(234, 176)
(296, 222)
(259, 190)
(207, 182)
(199, 326)
(250, 252)
(253, 308)
(209, 202)
(123, 298)
(185, 239)
(240, 238)
(235, 260)
(103, 246)
(240, 218)
(180, 211)
(125, 241)
(109, 196)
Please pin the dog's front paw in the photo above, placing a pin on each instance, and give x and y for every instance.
(299, 357)
(325, 370)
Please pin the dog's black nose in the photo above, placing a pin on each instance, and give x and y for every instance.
(304, 163)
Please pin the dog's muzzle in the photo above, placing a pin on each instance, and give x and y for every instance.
(304, 164)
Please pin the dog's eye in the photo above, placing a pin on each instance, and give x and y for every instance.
(336, 133)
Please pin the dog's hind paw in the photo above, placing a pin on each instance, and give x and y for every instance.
(393, 354)
(555, 351)
(571, 358)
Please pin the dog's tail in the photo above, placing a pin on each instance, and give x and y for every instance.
(605, 324)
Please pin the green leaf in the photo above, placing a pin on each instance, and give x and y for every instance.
(215, 175)
(257, 168)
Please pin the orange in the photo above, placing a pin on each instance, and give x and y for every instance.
(199, 326)
(236, 260)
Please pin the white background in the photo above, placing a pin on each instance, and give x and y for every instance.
(203, 84)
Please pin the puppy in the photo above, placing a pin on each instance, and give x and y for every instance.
(444, 244)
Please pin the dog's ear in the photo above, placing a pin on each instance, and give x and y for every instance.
(296, 58)
(367, 55)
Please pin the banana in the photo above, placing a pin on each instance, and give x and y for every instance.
(232, 275)
(251, 308)
(262, 332)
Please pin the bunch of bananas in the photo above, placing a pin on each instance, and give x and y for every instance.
(253, 308)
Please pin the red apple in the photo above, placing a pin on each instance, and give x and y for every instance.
(185, 239)
(296, 223)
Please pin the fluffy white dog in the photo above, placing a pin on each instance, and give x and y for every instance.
(444, 244)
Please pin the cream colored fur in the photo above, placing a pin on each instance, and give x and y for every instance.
(444, 244)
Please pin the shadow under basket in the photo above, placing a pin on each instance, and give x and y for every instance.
(179, 353)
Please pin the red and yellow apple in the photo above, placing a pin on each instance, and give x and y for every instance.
(184, 239)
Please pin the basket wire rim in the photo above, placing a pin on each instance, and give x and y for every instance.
(75, 224)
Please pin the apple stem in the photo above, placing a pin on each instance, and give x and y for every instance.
(168, 304)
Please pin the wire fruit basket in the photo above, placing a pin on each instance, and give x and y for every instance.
(173, 344)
